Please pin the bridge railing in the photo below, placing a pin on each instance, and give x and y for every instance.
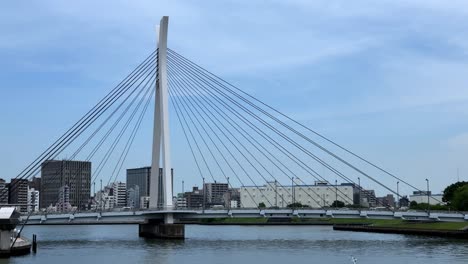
(237, 209)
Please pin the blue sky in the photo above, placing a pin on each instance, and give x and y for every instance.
(388, 79)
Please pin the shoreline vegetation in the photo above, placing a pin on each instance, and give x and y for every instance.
(395, 226)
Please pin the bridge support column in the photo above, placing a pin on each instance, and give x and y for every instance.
(5, 242)
(161, 230)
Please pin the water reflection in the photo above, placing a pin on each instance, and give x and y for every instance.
(237, 244)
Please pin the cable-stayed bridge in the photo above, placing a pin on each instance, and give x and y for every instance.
(231, 135)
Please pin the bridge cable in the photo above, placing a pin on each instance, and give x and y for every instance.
(291, 141)
(82, 125)
(129, 143)
(295, 131)
(300, 124)
(294, 143)
(171, 81)
(109, 95)
(244, 133)
(97, 147)
(219, 122)
(257, 130)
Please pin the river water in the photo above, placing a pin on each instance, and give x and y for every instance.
(236, 244)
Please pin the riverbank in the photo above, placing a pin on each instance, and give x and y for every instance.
(462, 234)
(396, 226)
(397, 223)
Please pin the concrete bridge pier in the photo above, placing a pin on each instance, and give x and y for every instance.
(5, 241)
(161, 229)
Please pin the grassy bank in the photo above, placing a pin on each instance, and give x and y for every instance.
(393, 223)
(258, 220)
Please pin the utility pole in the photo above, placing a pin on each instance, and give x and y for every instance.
(183, 189)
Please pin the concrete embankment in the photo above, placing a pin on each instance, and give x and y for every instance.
(462, 234)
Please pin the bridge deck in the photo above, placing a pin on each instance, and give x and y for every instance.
(136, 217)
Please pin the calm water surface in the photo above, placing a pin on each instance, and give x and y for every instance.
(236, 244)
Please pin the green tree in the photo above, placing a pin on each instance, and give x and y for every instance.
(413, 204)
(460, 198)
(338, 204)
(261, 205)
(449, 192)
(295, 205)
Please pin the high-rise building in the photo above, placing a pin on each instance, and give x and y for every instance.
(214, 193)
(119, 191)
(35, 183)
(3, 192)
(138, 177)
(58, 173)
(141, 177)
(18, 193)
(181, 201)
(63, 204)
(133, 197)
(194, 199)
(33, 200)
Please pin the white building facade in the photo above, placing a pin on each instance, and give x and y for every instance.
(144, 202)
(120, 194)
(321, 194)
(133, 197)
(105, 201)
(421, 197)
(33, 200)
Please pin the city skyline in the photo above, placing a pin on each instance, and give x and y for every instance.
(234, 131)
(389, 125)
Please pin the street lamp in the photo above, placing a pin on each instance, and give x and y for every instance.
(292, 191)
(276, 194)
(336, 193)
(229, 195)
(204, 195)
(359, 186)
(427, 192)
(398, 193)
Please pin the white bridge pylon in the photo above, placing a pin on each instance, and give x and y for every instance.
(161, 187)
